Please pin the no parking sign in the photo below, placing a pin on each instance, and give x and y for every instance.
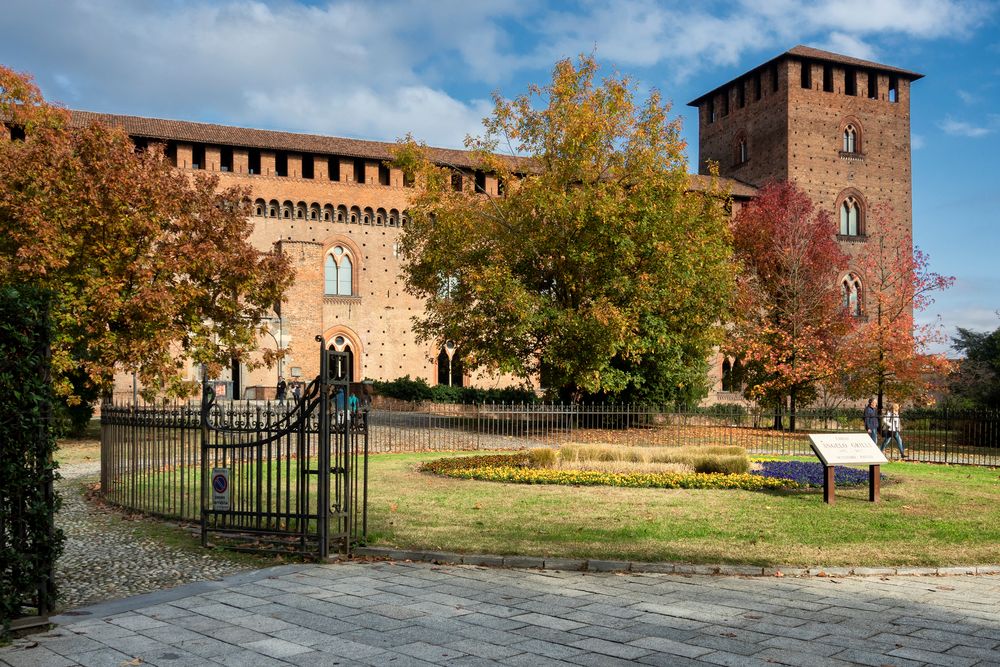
(220, 489)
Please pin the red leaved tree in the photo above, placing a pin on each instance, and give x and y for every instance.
(789, 327)
(889, 351)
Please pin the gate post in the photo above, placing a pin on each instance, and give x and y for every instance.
(205, 408)
(323, 453)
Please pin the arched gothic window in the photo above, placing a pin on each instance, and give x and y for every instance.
(743, 155)
(850, 217)
(450, 366)
(732, 375)
(850, 290)
(850, 139)
(338, 272)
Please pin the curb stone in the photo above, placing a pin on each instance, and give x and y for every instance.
(584, 565)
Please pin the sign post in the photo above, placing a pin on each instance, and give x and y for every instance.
(847, 449)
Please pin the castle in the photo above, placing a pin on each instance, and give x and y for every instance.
(837, 126)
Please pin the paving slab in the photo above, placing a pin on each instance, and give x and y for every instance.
(418, 613)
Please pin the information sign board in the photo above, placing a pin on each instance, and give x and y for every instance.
(846, 449)
(220, 489)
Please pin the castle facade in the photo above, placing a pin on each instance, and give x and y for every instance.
(837, 126)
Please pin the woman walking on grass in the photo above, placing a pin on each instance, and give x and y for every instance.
(891, 427)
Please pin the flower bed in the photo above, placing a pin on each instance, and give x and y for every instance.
(810, 473)
(516, 468)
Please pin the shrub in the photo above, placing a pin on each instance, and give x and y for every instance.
(442, 393)
(404, 389)
(409, 389)
(730, 465)
(731, 410)
(542, 457)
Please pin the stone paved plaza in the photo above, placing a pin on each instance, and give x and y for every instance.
(385, 613)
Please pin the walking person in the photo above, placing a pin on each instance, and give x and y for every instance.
(281, 389)
(871, 420)
(892, 428)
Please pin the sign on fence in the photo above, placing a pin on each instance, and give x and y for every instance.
(220, 489)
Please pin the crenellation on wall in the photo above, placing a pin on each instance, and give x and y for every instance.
(268, 161)
(294, 161)
(184, 156)
(213, 158)
(321, 168)
(241, 161)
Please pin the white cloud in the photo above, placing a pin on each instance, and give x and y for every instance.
(355, 67)
(849, 45)
(961, 128)
(917, 141)
(926, 19)
(346, 67)
(966, 97)
(430, 115)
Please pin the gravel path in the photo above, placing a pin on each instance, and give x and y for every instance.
(107, 557)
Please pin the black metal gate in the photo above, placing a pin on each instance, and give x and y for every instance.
(288, 476)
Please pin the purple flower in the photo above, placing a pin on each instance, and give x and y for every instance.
(809, 473)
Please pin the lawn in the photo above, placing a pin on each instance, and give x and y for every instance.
(929, 515)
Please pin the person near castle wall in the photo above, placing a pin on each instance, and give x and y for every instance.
(871, 420)
(891, 427)
(281, 389)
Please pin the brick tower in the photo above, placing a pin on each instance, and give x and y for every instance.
(838, 127)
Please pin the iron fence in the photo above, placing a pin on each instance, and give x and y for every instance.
(151, 454)
(936, 436)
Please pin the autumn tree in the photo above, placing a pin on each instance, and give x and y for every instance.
(889, 352)
(148, 267)
(789, 326)
(596, 269)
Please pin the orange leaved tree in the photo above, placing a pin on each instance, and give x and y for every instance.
(889, 350)
(147, 266)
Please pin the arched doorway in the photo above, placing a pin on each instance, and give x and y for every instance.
(340, 343)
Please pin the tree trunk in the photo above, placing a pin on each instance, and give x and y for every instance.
(791, 405)
(779, 424)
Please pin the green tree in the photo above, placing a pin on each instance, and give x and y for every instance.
(147, 266)
(597, 269)
(976, 380)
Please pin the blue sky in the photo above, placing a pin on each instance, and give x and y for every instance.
(378, 70)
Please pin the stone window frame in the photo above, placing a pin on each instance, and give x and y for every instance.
(852, 292)
(352, 251)
(741, 148)
(852, 122)
(862, 206)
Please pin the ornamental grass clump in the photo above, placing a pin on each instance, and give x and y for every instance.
(712, 459)
(543, 457)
